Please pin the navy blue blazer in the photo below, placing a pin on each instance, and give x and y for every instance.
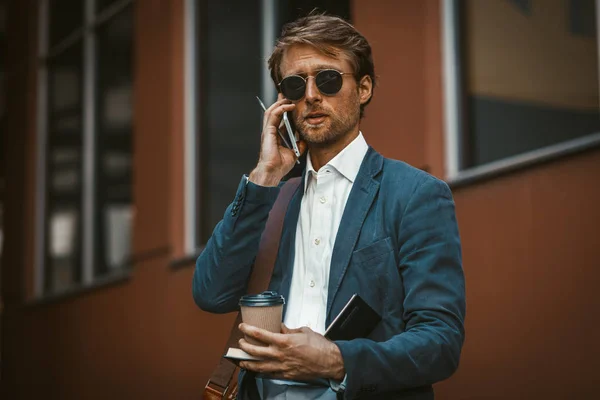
(397, 246)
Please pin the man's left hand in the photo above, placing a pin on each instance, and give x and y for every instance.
(295, 354)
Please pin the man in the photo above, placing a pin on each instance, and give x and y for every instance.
(358, 223)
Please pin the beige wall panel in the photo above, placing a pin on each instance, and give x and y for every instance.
(530, 58)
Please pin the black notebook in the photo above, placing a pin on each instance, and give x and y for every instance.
(356, 320)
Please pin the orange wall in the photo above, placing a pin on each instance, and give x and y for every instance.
(143, 338)
(404, 119)
(531, 247)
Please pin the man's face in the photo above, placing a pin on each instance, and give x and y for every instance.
(321, 119)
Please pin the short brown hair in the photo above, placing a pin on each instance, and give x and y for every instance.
(328, 34)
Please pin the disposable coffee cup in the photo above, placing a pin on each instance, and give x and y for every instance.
(264, 310)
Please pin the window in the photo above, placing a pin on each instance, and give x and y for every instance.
(86, 132)
(231, 73)
(527, 77)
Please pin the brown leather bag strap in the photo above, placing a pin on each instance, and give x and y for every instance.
(219, 386)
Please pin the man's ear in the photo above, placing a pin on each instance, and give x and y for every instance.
(365, 89)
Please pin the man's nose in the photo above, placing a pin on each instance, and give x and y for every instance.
(312, 92)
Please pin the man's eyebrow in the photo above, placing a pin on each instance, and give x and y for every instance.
(318, 67)
(321, 67)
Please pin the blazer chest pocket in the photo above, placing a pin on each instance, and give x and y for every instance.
(373, 253)
(370, 272)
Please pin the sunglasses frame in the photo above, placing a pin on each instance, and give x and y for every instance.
(315, 77)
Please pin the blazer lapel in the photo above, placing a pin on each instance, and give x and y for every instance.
(359, 202)
(287, 246)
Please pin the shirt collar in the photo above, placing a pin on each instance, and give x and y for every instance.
(347, 162)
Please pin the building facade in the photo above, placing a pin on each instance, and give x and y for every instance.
(125, 126)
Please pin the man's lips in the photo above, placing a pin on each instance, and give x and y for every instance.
(315, 118)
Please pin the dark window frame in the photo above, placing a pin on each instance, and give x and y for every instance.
(90, 266)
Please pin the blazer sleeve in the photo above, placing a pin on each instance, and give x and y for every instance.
(434, 304)
(224, 266)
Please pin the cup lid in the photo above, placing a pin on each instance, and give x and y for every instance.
(265, 299)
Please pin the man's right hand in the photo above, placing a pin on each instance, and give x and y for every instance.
(275, 160)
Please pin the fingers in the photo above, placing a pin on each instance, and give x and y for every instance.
(262, 335)
(263, 367)
(275, 160)
(274, 114)
(264, 352)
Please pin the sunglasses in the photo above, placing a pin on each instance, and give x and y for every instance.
(328, 81)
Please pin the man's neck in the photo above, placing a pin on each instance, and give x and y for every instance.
(322, 154)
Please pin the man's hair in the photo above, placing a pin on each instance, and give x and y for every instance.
(330, 35)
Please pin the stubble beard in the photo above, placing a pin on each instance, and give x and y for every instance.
(335, 127)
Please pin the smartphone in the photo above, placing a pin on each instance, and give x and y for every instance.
(289, 127)
(291, 133)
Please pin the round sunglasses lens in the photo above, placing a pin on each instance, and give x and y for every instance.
(293, 87)
(329, 82)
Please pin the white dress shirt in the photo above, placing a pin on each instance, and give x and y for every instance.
(325, 195)
(323, 203)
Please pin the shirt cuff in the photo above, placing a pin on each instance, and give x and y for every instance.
(338, 387)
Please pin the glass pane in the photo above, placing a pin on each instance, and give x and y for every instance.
(230, 115)
(64, 169)
(114, 121)
(63, 248)
(103, 4)
(117, 235)
(531, 75)
(65, 17)
(292, 9)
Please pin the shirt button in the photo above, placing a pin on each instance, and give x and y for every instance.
(317, 241)
(312, 283)
(323, 200)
